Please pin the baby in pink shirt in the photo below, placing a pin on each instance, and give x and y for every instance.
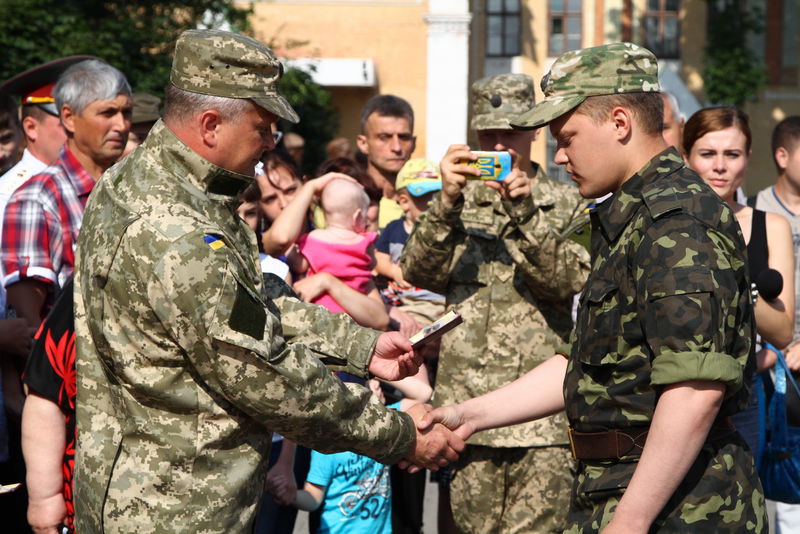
(344, 249)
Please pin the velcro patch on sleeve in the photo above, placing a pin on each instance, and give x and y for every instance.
(248, 316)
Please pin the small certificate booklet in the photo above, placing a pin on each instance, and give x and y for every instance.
(436, 329)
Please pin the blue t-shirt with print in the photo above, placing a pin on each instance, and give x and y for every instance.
(358, 497)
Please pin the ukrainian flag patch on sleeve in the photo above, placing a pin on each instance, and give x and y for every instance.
(214, 241)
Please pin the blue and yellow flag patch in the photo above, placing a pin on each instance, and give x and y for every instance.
(214, 241)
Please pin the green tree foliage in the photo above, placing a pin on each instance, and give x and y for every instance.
(318, 119)
(136, 37)
(733, 74)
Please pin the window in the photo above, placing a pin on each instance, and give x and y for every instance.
(503, 28)
(565, 26)
(661, 28)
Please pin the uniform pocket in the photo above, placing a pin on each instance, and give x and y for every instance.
(599, 323)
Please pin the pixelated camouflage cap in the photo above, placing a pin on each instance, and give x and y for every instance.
(601, 70)
(498, 100)
(220, 63)
(419, 176)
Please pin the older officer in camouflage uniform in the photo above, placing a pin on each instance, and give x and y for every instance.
(187, 359)
(502, 257)
(661, 355)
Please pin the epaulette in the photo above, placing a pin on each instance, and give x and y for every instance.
(661, 199)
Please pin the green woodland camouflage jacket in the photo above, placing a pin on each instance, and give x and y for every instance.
(511, 270)
(188, 360)
(667, 301)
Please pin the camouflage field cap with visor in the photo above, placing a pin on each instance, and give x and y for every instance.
(497, 100)
(601, 70)
(220, 63)
(419, 176)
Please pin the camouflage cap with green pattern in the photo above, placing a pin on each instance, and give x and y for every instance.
(220, 63)
(601, 70)
(497, 100)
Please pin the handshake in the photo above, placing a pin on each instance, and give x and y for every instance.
(441, 433)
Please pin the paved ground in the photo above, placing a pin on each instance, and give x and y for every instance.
(428, 518)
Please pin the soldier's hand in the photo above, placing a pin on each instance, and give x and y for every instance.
(517, 184)
(450, 416)
(435, 447)
(454, 171)
(394, 358)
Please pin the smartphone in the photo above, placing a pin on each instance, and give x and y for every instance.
(494, 166)
(437, 329)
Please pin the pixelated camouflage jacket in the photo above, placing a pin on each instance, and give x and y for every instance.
(511, 270)
(188, 360)
(667, 301)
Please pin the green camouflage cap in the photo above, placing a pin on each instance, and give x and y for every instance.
(498, 100)
(145, 108)
(220, 63)
(601, 70)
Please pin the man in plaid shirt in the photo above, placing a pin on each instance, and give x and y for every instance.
(43, 217)
(40, 231)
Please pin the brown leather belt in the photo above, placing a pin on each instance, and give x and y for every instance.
(617, 443)
(609, 445)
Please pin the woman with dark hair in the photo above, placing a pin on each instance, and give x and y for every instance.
(716, 145)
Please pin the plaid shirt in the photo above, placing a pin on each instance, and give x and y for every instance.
(41, 223)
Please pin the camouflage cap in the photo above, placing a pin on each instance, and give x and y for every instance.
(419, 176)
(601, 70)
(145, 108)
(497, 100)
(220, 63)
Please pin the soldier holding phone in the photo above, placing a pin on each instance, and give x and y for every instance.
(500, 252)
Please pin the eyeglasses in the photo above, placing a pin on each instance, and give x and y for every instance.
(277, 136)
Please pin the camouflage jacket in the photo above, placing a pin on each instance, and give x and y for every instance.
(188, 359)
(667, 301)
(511, 270)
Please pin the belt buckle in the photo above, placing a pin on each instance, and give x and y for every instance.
(571, 444)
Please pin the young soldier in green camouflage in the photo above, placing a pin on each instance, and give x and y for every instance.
(187, 359)
(661, 354)
(502, 258)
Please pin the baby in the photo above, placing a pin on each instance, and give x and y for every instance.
(344, 249)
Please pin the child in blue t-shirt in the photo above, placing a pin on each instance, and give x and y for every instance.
(354, 491)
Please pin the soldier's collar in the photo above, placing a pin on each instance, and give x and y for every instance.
(615, 213)
(218, 183)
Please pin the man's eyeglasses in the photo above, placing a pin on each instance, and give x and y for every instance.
(277, 136)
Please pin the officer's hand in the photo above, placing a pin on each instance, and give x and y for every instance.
(394, 358)
(517, 184)
(455, 171)
(435, 447)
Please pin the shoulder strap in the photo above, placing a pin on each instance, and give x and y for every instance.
(784, 366)
(751, 201)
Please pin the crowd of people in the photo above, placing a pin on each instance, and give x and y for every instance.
(198, 338)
